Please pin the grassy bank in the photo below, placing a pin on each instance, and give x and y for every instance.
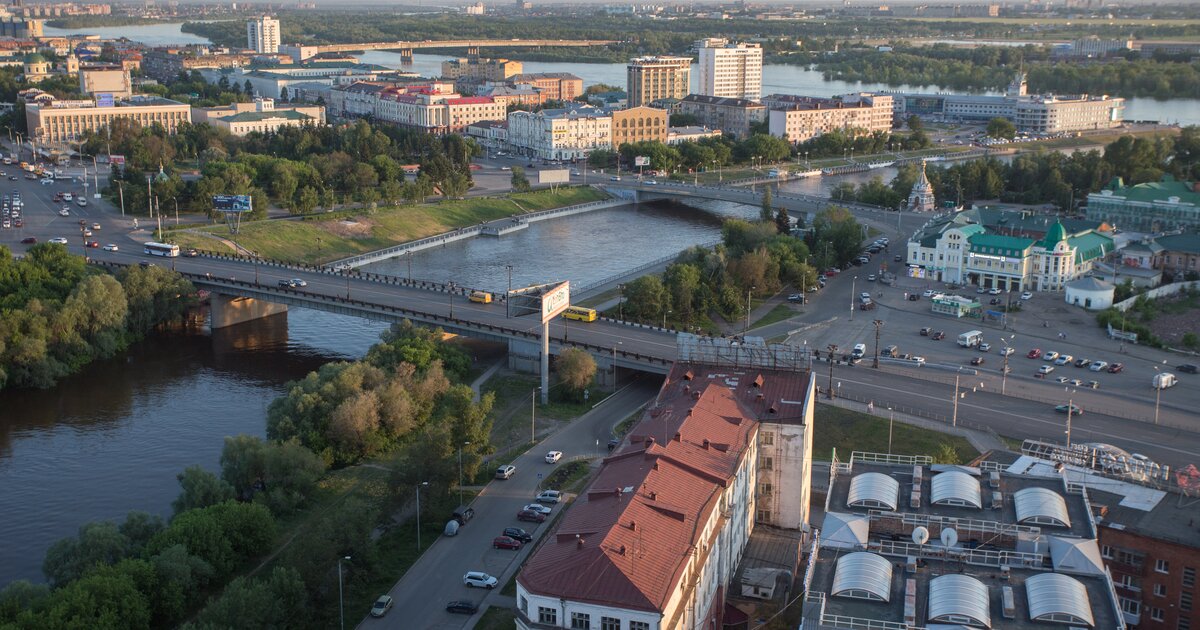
(848, 430)
(318, 241)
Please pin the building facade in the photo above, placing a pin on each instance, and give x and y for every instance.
(65, 121)
(560, 134)
(651, 78)
(730, 70)
(262, 35)
(922, 199)
(557, 86)
(263, 115)
(730, 115)
(1161, 206)
(480, 69)
(801, 118)
(1180, 253)
(638, 124)
(112, 80)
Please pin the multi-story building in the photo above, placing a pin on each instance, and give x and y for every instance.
(908, 544)
(165, 65)
(677, 135)
(356, 100)
(480, 69)
(263, 115)
(65, 121)
(731, 70)
(638, 124)
(435, 112)
(20, 28)
(655, 539)
(1180, 253)
(651, 78)
(475, 9)
(523, 94)
(105, 79)
(730, 115)
(801, 118)
(272, 81)
(1161, 206)
(557, 86)
(560, 134)
(262, 34)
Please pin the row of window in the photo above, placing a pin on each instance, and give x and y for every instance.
(583, 621)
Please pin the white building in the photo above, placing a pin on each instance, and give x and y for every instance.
(262, 35)
(922, 199)
(939, 252)
(1090, 293)
(560, 134)
(730, 70)
(262, 116)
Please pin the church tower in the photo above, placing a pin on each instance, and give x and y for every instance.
(921, 198)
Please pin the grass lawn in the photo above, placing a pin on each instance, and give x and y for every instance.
(777, 314)
(567, 476)
(848, 431)
(318, 241)
(497, 619)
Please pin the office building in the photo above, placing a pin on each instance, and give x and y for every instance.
(801, 118)
(652, 78)
(730, 70)
(65, 121)
(165, 65)
(263, 115)
(560, 134)
(1162, 206)
(105, 79)
(678, 135)
(638, 124)
(730, 115)
(272, 81)
(653, 543)
(557, 86)
(262, 35)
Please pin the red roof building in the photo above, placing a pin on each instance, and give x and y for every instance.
(655, 539)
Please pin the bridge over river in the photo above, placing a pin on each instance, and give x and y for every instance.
(301, 52)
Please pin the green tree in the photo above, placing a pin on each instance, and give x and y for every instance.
(946, 454)
(200, 489)
(766, 212)
(783, 223)
(646, 299)
(277, 601)
(104, 600)
(181, 578)
(914, 123)
(520, 183)
(575, 369)
(98, 543)
(1001, 128)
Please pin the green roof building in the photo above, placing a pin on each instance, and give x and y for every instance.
(1161, 206)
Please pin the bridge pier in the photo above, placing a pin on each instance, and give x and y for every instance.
(472, 51)
(229, 310)
(406, 55)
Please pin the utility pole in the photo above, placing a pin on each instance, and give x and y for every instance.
(746, 327)
(832, 353)
(533, 414)
(121, 192)
(878, 324)
(508, 296)
(852, 283)
(1070, 408)
(954, 420)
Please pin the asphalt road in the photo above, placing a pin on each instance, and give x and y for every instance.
(422, 593)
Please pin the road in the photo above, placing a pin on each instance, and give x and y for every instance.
(422, 593)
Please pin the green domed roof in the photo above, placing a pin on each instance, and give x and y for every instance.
(35, 58)
(1055, 235)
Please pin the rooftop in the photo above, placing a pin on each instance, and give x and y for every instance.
(534, 76)
(1150, 192)
(721, 101)
(1189, 243)
(287, 114)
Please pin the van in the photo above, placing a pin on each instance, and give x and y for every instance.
(482, 297)
(463, 513)
(970, 339)
(889, 351)
(860, 350)
(1163, 380)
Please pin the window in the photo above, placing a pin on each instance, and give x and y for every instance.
(765, 488)
(1189, 577)
(1131, 606)
(548, 616)
(1160, 590)
(1130, 582)
(1184, 623)
(610, 623)
(1106, 552)
(524, 604)
(1185, 602)
(768, 438)
(1156, 614)
(581, 621)
(764, 515)
(768, 463)
(1162, 566)
(639, 625)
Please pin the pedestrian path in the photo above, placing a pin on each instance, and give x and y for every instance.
(477, 384)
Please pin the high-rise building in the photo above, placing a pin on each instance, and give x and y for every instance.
(652, 78)
(262, 35)
(730, 70)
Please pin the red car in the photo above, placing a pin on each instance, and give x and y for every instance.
(1116, 367)
(93, 244)
(1035, 353)
(532, 517)
(831, 272)
(29, 239)
(504, 542)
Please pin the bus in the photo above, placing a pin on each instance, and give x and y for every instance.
(161, 249)
(580, 313)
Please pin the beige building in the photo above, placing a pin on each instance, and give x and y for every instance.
(262, 35)
(651, 78)
(801, 118)
(560, 134)
(730, 115)
(65, 121)
(105, 79)
(480, 69)
(557, 86)
(262, 115)
(638, 124)
(730, 70)
(1056, 114)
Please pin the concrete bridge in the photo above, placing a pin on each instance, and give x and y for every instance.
(748, 193)
(406, 48)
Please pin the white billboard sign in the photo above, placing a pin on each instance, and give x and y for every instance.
(556, 301)
(556, 176)
(641, 160)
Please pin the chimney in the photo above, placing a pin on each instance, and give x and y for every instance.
(695, 395)
(578, 543)
(649, 441)
(678, 435)
(622, 550)
(633, 526)
(653, 496)
(706, 443)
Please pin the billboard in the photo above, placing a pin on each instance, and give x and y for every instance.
(117, 161)
(557, 176)
(232, 203)
(555, 301)
(104, 99)
(641, 160)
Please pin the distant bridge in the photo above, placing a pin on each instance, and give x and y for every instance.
(792, 202)
(302, 52)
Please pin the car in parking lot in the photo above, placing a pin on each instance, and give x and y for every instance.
(553, 456)
(1076, 382)
(381, 606)
(1092, 384)
(796, 297)
(1026, 295)
(1061, 379)
(870, 277)
(981, 290)
(1046, 369)
(1082, 362)
(537, 507)
(1050, 355)
(1072, 409)
(1098, 366)
(532, 517)
(993, 291)
(518, 534)
(479, 579)
(504, 542)
(1063, 359)
(913, 297)
(1115, 368)
(462, 607)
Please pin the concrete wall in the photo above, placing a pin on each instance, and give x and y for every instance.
(1166, 289)
(231, 310)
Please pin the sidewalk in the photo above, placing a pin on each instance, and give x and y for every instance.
(477, 384)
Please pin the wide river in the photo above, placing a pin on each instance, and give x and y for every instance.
(112, 438)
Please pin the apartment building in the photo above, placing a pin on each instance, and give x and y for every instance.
(730, 115)
(435, 112)
(480, 69)
(65, 121)
(165, 65)
(730, 70)
(1179, 254)
(652, 78)
(262, 35)
(654, 541)
(557, 86)
(560, 134)
(263, 115)
(523, 94)
(105, 79)
(638, 124)
(801, 118)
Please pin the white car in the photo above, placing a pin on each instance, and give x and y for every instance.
(549, 496)
(64, 213)
(111, 247)
(553, 456)
(1046, 369)
(1050, 355)
(297, 282)
(1098, 366)
(1007, 351)
(479, 579)
(58, 239)
(1063, 359)
(984, 347)
(864, 296)
(993, 291)
(929, 293)
(537, 507)
(1026, 295)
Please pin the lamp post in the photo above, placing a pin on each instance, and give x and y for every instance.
(614, 364)
(410, 257)
(954, 420)
(832, 353)
(508, 296)
(451, 293)
(621, 302)
(1157, 393)
(425, 484)
(1070, 409)
(665, 313)
(1004, 369)
(891, 421)
(878, 325)
(852, 283)
(460, 476)
(341, 600)
(746, 327)
(533, 414)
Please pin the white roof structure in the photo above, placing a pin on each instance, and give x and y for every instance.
(959, 599)
(1058, 598)
(863, 575)
(874, 489)
(845, 531)
(956, 488)
(1080, 556)
(1041, 506)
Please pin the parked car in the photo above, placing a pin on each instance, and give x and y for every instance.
(553, 456)
(870, 277)
(504, 472)
(796, 297)
(549, 496)
(1074, 410)
(993, 291)
(462, 607)
(532, 517)
(518, 533)
(537, 507)
(381, 606)
(1092, 384)
(1026, 295)
(1115, 368)
(504, 542)
(1063, 359)
(479, 579)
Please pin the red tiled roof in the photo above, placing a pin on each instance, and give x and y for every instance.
(626, 540)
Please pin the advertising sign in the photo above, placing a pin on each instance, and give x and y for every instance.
(556, 301)
(232, 203)
(556, 176)
(104, 99)
(641, 160)
(117, 160)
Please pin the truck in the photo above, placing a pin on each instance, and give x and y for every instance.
(971, 338)
(1163, 380)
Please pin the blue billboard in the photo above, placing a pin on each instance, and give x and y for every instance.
(232, 203)
(104, 99)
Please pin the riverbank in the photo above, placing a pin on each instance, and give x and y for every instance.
(318, 239)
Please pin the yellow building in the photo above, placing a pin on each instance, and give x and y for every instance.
(65, 121)
(480, 69)
(652, 78)
(638, 124)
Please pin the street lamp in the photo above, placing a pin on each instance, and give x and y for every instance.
(746, 327)
(533, 414)
(852, 283)
(891, 421)
(425, 484)
(1070, 408)
(614, 364)
(508, 296)
(621, 302)
(1004, 369)
(665, 313)
(1157, 393)
(954, 419)
(878, 325)
(832, 353)
(341, 600)
(460, 474)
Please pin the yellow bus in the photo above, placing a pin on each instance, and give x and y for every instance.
(482, 297)
(580, 313)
